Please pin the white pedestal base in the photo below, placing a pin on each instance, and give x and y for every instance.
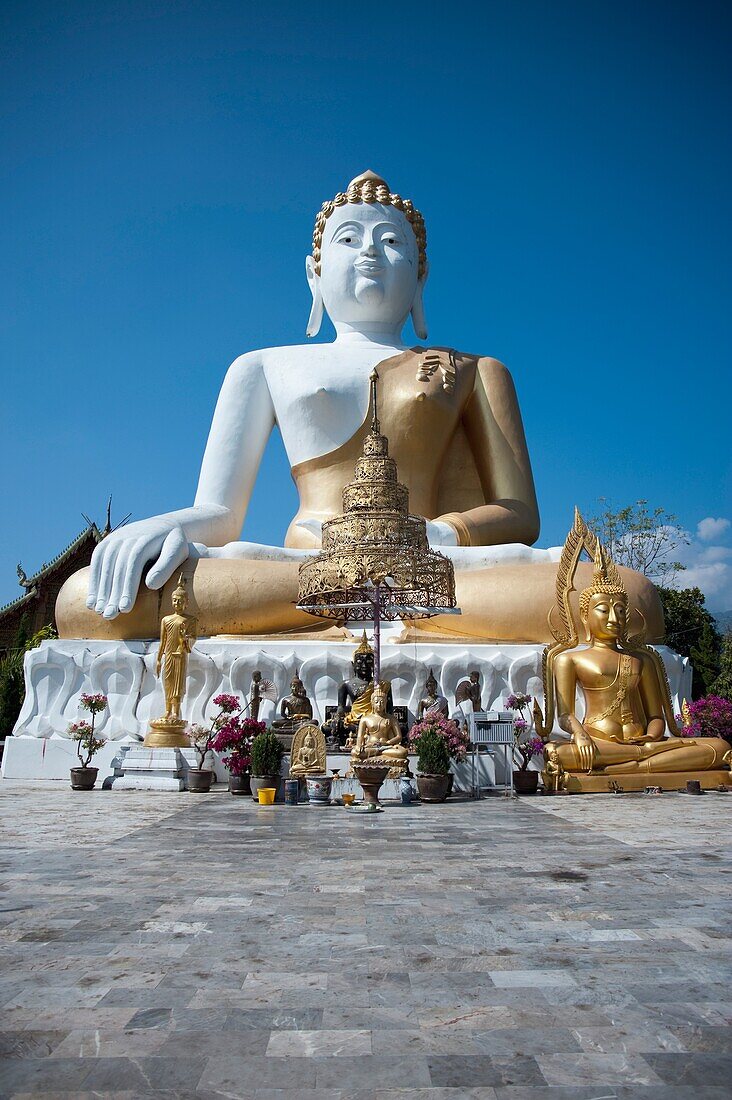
(146, 769)
(59, 670)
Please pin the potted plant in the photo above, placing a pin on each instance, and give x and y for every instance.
(433, 765)
(235, 740)
(525, 746)
(83, 778)
(455, 737)
(267, 753)
(202, 739)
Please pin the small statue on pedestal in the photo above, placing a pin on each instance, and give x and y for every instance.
(295, 708)
(433, 705)
(379, 739)
(177, 635)
(260, 690)
(468, 691)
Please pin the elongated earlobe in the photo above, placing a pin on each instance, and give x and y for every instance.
(315, 319)
(418, 318)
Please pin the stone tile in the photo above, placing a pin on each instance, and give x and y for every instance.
(459, 1071)
(319, 1044)
(233, 1075)
(42, 1075)
(29, 1044)
(370, 1072)
(692, 1070)
(605, 1069)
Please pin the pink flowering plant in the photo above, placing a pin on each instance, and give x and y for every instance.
(235, 739)
(455, 738)
(83, 732)
(527, 747)
(710, 716)
(203, 738)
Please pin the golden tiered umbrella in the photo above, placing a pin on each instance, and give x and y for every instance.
(376, 562)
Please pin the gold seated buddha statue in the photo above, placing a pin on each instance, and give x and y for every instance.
(455, 431)
(379, 739)
(625, 692)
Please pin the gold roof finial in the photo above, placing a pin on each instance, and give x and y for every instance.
(375, 426)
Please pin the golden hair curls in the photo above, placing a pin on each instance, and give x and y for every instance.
(370, 188)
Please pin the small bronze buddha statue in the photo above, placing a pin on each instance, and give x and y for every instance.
(433, 705)
(295, 708)
(468, 691)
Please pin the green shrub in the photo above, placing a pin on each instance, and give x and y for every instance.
(267, 753)
(433, 754)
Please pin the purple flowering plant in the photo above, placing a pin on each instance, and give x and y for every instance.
(83, 732)
(526, 747)
(710, 716)
(203, 738)
(235, 739)
(455, 737)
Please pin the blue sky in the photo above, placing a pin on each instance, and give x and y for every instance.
(163, 165)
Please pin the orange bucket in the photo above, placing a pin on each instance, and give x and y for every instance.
(267, 795)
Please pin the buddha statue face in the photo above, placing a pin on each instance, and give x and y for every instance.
(368, 265)
(297, 687)
(363, 666)
(378, 702)
(605, 616)
(431, 685)
(367, 269)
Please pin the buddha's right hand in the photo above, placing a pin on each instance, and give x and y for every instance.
(586, 750)
(119, 560)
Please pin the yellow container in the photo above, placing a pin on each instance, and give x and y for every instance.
(348, 799)
(267, 795)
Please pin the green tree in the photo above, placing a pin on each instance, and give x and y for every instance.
(723, 683)
(641, 538)
(690, 630)
(12, 685)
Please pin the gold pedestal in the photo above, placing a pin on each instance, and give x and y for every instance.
(167, 733)
(603, 783)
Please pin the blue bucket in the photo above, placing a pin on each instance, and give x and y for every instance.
(292, 791)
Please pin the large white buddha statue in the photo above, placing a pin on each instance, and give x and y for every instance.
(454, 428)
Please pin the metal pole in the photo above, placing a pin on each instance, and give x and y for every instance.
(377, 636)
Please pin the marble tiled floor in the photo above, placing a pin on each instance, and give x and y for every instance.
(177, 945)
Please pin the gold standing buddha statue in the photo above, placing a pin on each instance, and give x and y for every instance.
(177, 635)
(621, 737)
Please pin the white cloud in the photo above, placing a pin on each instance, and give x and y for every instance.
(711, 528)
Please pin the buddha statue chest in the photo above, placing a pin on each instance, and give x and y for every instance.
(420, 412)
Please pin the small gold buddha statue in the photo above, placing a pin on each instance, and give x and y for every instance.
(177, 635)
(625, 690)
(294, 708)
(379, 739)
(433, 705)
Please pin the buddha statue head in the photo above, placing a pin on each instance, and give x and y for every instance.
(369, 262)
(297, 687)
(379, 701)
(604, 605)
(431, 685)
(363, 660)
(180, 596)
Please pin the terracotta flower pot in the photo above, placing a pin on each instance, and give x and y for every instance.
(525, 782)
(240, 784)
(199, 780)
(433, 788)
(256, 782)
(83, 779)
